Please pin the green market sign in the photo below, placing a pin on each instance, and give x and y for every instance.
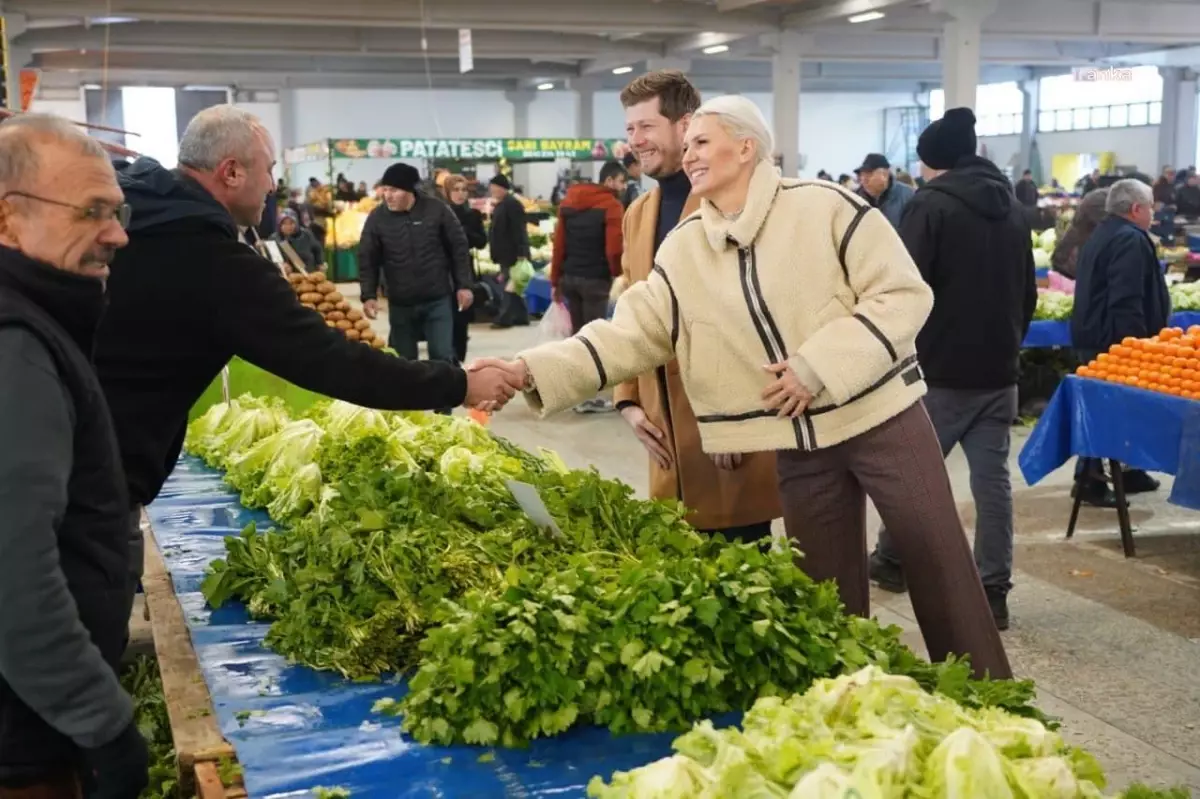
(481, 149)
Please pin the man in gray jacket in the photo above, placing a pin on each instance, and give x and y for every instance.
(66, 725)
(422, 251)
(877, 185)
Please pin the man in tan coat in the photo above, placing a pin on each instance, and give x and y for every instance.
(733, 494)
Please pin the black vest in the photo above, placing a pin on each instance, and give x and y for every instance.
(587, 253)
(63, 310)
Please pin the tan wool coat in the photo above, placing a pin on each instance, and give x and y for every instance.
(718, 499)
(808, 274)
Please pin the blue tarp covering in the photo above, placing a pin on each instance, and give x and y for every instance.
(1144, 429)
(1058, 334)
(308, 729)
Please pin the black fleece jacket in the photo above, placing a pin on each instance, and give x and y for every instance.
(969, 237)
(185, 296)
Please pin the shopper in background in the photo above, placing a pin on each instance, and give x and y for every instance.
(846, 182)
(633, 184)
(185, 272)
(814, 283)
(734, 494)
(587, 253)
(1088, 215)
(66, 725)
(877, 186)
(1187, 197)
(1120, 291)
(967, 233)
(1026, 189)
(509, 241)
(455, 189)
(417, 243)
(302, 241)
(1088, 183)
(1164, 188)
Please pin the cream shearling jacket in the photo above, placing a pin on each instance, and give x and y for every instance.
(809, 274)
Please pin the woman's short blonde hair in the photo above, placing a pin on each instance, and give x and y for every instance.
(741, 119)
(452, 183)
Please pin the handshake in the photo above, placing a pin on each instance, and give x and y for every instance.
(492, 382)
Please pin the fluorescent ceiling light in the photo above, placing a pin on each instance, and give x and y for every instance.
(716, 49)
(869, 16)
(622, 70)
(112, 20)
(545, 87)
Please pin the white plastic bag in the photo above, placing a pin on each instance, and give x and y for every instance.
(556, 323)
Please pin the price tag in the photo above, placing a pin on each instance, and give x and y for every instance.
(531, 502)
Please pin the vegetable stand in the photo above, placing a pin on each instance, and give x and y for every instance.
(1047, 333)
(1095, 419)
(295, 729)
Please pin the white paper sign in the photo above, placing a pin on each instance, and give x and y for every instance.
(531, 502)
(466, 57)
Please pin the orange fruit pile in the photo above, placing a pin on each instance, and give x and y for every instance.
(1169, 363)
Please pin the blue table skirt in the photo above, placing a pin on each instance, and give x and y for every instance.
(312, 729)
(1144, 429)
(1058, 334)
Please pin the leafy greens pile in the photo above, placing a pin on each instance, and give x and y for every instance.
(141, 679)
(867, 735)
(1053, 306)
(401, 549)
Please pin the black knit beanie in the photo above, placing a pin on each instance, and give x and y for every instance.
(501, 181)
(948, 139)
(401, 176)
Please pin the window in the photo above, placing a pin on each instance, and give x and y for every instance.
(150, 118)
(1100, 98)
(999, 108)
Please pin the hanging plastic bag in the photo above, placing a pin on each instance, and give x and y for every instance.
(519, 276)
(556, 323)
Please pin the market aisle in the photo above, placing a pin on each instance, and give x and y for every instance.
(1089, 659)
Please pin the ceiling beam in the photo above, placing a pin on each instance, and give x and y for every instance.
(684, 45)
(612, 16)
(725, 6)
(839, 10)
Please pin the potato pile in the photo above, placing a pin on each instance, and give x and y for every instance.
(322, 296)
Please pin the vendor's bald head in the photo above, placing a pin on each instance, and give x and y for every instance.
(229, 152)
(59, 199)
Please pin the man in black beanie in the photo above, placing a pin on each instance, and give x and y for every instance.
(419, 246)
(968, 235)
(509, 243)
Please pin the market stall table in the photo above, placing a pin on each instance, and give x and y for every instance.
(1125, 425)
(295, 729)
(1045, 334)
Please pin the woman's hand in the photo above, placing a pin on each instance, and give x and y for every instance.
(787, 393)
(492, 382)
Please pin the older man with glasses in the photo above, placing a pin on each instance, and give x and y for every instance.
(66, 725)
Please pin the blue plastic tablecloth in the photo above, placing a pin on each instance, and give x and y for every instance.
(538, 294)
(1144, 429)
(1058, 334)
(309, 728)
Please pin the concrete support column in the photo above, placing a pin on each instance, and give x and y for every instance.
(18, 57)
(1029, 120)
(585, 117)
(961, 43)
(287, 119)
(1168, 128)
(521, 100)
(1185, 121)
(787, 47)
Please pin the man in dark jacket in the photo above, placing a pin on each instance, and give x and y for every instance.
(877, 185)
(456, 192)
(1119, 291)
(186, 297)
(417, 243)
(633, 184)
(509, 241)
(66, 725)
(1026, 190)
(588, 245)
(968, 235)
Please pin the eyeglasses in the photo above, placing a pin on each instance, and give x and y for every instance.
(98, 212)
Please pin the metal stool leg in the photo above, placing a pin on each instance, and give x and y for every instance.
(1118, 478)
(1075, 507)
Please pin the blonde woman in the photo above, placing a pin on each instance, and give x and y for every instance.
(793, 308)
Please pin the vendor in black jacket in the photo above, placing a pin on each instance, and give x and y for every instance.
(64, 539)
(186, 297)
(416, 242)
(509, 242)
(1119, 291)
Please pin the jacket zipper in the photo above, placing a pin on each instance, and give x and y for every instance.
(771, 339)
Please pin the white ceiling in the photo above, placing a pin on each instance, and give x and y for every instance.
(272, 44)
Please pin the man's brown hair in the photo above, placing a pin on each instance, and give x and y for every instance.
(677, 97)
